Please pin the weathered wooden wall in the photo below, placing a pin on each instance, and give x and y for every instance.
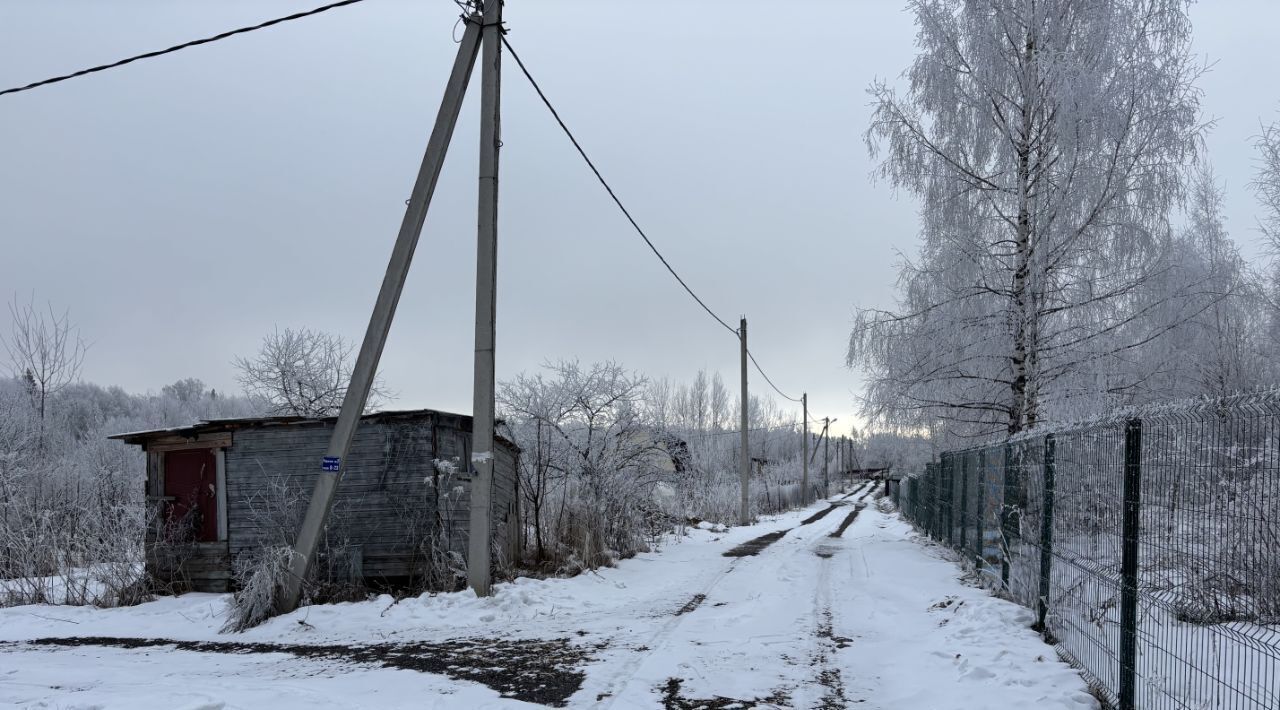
(393, 498)
(404, 497)
(379, 506)
(453, 438)
(506, 498)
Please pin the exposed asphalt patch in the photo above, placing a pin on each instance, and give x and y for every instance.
(819, 515)
(826, 631)
(870, 489)
(673, 700)
(691, 604)
(532, 670)
(848, 520)
(833, 684)
(753, 547)
(829, 677)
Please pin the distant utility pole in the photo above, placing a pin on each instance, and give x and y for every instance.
(375, 336)
(479, 573)
(851, 460)
(804, 477)
(744, 465)
(846, 470)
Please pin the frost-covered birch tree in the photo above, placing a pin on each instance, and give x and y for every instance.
(1266, 185)
(1266, 181)
(1045, 141)
(1213, 301)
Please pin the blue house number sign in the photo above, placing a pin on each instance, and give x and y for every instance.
(330, 463)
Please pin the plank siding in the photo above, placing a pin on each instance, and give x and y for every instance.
(392, 498)
(382, 506)
(392, 503)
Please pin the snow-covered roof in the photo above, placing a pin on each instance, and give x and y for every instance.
(209, 426)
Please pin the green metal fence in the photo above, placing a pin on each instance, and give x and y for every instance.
(1148, 548)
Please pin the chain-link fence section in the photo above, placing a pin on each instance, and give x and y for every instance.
(1148, 547)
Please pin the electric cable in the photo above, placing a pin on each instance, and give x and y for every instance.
(590, 164)
(178, 47)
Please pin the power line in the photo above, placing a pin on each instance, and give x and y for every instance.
(556, 114)
(605, 184)
(523, 69)
(739, 431)
(759, 369)
(175, 48)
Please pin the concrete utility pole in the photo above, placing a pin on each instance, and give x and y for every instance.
(744, 513)
(826, 456)
(840, 456)
(804, 477)
(479, 573)
(375, 336)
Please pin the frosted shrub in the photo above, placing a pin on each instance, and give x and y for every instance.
(276, 512)
(1233, 573)
(611, 462)
(260, 578)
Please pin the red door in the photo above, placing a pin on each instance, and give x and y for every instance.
(191, 483)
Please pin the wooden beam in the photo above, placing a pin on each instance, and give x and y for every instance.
(178, 443)
(219, 456)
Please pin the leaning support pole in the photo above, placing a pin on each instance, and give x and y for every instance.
(479, 573)
(804, 475)
(744, 465)
(384, 309)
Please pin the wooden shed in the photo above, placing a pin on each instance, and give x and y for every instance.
(223, 489)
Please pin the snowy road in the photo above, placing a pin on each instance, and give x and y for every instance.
(867, 617)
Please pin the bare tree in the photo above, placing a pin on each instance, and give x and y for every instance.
(1046, 142)
(584, 430)
(45, 350)
(534, 409)
(303, 372)
(188, 390)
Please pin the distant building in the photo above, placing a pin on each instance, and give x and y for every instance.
(226, 488)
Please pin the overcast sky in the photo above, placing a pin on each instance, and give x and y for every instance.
(183, 207)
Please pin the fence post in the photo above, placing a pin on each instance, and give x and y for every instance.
(926, 498)
(964, 500)
(937, 498)
(1129, 564)
(930, 497)
(1046, 535)
(981, 491)
(949, 471)
(936, 489)
(1008, 517)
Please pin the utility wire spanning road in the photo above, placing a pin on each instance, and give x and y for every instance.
(835, 606)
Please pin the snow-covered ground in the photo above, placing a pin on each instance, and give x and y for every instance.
(872, 618)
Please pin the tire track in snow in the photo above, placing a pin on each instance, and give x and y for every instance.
(862, 687)
(828, 680)
(752, 547)
(660, 642)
